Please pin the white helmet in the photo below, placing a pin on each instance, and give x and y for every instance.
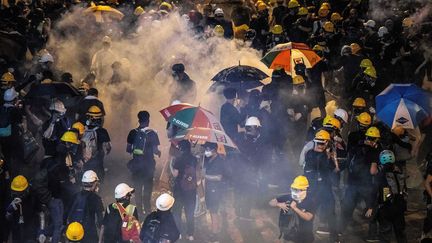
(164, 202)
(253, 121)
(382, 31)
(10, 95)
(58, 106)
(89, 177)
(46, 57)
(122, 190)
(342, 114)
(219, 12)
(370, 23)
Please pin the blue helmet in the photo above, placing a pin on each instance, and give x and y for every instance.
(387, 157)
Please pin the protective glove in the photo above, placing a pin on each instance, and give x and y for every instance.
(15, 203)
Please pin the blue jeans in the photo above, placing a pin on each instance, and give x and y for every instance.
(56, 210)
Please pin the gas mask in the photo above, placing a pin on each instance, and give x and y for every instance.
(266, 104)
(298, 195)
(208, 153)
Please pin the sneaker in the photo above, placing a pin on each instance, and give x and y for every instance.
(322, 231)
(190, 238)
(372, 238)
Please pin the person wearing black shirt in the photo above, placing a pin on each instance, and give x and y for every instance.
(296, 209)
(92, 99)
(142, 143)
(229, 115)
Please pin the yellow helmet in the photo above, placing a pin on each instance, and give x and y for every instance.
(303, 11)
(364, 119)
(70, 137)
(262, 6)
(333, 122)
(300, 183)
(298, 80)
(323, 12)
(355, 48)
(398, 130)
(8, 77)
(165, 6)
(19, 183)
(80, 127)
(365, 63)
(326, 6)
(359, 102)
(219, 30)
(371, 72)
(75, 231)
(407, 22)
(318, 48)
(328, 27)
(138, 11)
(277, 29)
(335, 17)
(326, 119)
(94, 111)
(373, 132)
(293, 4)
(322, 135)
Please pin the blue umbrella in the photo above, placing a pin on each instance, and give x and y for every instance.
(404, 105)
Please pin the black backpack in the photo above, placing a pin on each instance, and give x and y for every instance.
(5, 122)
(150, 232)
(78, 210)
(140, 140)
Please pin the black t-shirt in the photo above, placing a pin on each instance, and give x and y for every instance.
(361, 159)
(152, 140)
(230, 118)
(317, 166)
(112, 223)
(214, 167)
(180, 164)
(167, 229)
(85, 104)
(305, 233)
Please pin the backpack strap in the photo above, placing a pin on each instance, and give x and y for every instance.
(130, 209)
(121, 210)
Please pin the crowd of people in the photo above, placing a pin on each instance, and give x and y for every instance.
(53, 141)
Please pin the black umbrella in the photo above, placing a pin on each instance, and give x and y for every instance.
(51, 90)
(240, 77)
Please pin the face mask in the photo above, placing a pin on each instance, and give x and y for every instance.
(208, 154)
(298, 195)
(266, 105)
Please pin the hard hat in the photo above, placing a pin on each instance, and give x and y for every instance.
(70, 137)
(10, 95)
(19, 183)
(326, 120)
(326, 5)
(300, 183)
(371, 72)
(46, 57)
(58, 106)
(138, 11)
(323, 12)
(328, 27)
(318, 48)
(253, 121)
(89, 176)
(373, 132)
(359, 102)
(277, 29)
(75, 231)
(364, 119)
(342, 114)
(386, 157)
(164, 202)
(370, 23)
(407, 22)
(303, 11)
(293, 4)
(355, 48)
(165, 6)
(322, 135)
(94, 111)
(398, 130)
(122, 190)
(262, 6)
(219, 12)
(333, 123)
(382, 31)
(219, 30)
(106, 39)
(80, 127)
(298, 80)
(335, 17)
(365, 63)
(8, 77)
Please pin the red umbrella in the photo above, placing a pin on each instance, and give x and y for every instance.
(195, 117)
(173, 109)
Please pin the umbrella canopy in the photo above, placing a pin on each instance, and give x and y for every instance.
(104, 13)
(241, 76)
(288, 54)
(51, 90)
(202, 135)
(404, 105)
(173, 109)
(195, 117)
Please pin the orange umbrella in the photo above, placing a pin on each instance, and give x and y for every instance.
(104, 13)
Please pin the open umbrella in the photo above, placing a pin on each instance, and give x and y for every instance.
(104, 13)
(195, 117)
(404, 105)
(51, 90)
(288, 54)
(202, 135)
(240, 77)
(173, 109)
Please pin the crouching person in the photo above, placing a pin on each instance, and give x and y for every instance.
(296, 213)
